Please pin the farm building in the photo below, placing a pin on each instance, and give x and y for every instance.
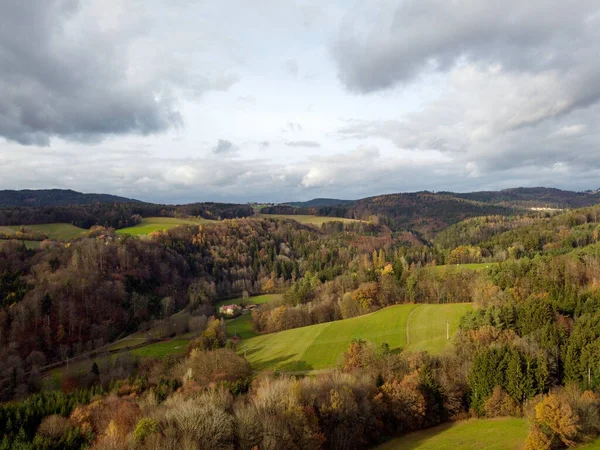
(230, 310)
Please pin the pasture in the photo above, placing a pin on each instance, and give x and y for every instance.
(253, 300)
(322, 346)
(475, 434)
(307, 219)
(55, 231)
(472, 266)
(242, 326)
(151, 224)
(157, 350)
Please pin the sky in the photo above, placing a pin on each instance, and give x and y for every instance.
(271, 100)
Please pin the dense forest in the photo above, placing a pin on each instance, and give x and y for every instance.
(423, 212)
(530, 348)
(55, 197)
(117, 215)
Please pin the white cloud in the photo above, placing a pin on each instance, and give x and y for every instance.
(452, 95)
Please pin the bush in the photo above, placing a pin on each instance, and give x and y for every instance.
(144, 428)
(53, 426)
(501, 404)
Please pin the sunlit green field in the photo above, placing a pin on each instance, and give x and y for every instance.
(322, 346)
(427, 325)
(55, 231)
(476, 434)
(474, 266)
(255, 299)
(307, 219)
(152, 224)
(242, 326)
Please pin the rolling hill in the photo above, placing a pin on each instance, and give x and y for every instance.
(321, 346)
(475, 434)
(56, 197)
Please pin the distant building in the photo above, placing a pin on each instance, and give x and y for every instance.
(230, 310)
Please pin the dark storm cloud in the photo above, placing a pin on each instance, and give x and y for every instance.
(398, 41)
(62, 76)
(224, 147)
(309, 144)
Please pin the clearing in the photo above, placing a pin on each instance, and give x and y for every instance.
(307, 219)
(253, 300)
(321, 346)
(475, 434)
(152, 224)
(242, 325)
(472, 266)
(55, 231)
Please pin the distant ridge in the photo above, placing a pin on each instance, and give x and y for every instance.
(533, 197)
(315, 202)
(55, 197)
(429, 212)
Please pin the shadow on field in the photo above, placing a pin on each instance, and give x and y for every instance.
(415, 439)
(249, 352)
(283, 364)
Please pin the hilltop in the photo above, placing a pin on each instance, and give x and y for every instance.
(56, 197)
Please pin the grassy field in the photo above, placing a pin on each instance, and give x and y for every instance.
(427, 325)
(474, 266)
(322, 346)
(55, 231)
(161, 349)
(241, 326)
(152, 224)
(255, 299)
(310, 220)
(476, 434)
(157, 350)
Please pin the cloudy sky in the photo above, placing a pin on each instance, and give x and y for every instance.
(289, 100)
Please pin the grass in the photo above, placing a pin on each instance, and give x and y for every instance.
(152, 224)
(157, 350)
(427, 325)
(28, 244)
(473, 266)
(55, 231)
(476, 434)
(255, 299)
(594, 445)
(161, 349)
(322, 346)
(307, 219)
(242, 326)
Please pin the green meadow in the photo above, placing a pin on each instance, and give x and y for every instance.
(473, 266)
(55, 231)
(152, 224)
(157, 350)
(242, 325)
(322, 346)
(307, 219)
(255, 299)
(475, 434)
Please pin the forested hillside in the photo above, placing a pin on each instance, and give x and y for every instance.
(528, 348)
(54, 197)
(117, 215)
(431, 212)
